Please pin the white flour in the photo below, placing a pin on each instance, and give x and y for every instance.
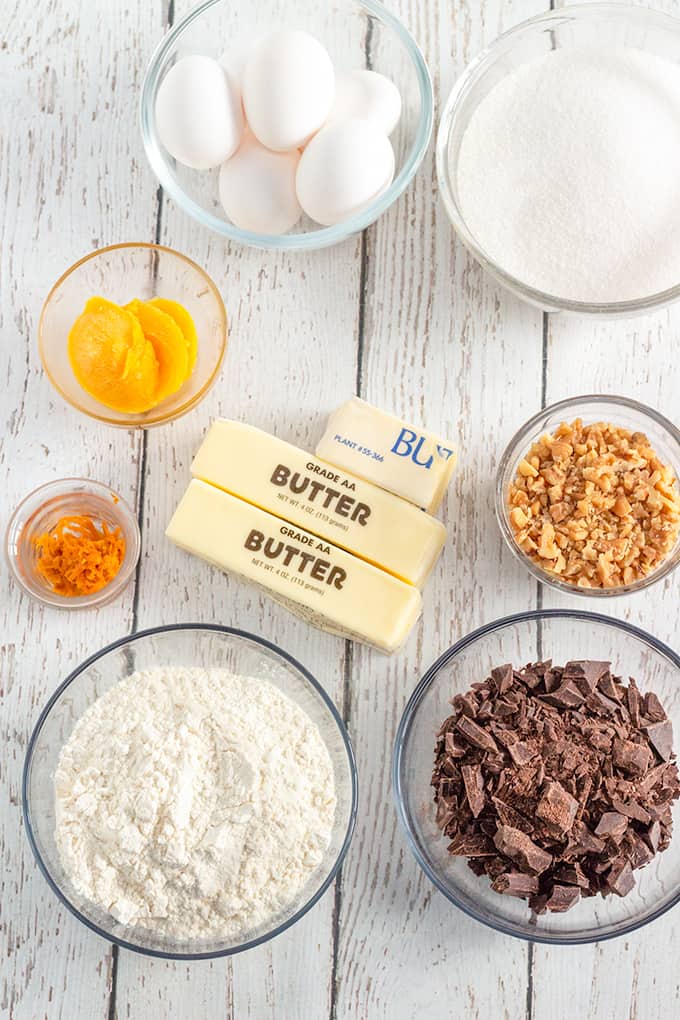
(568, 174)
(193, 802)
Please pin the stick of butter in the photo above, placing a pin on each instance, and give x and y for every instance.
(346, 510)
(324, 585)
(384, 450)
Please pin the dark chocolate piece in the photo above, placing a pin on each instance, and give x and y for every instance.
(620, 877)
(612, 825)
(557, 807)
(572, 874)
(567, 695)
(562, 897)
(516, 845)
(653, 709)
(586, 672)
(474, 788)
(660, 736)
(474, 734)
(502, 676)
(521, 752)
(631, 757)
(515, 883)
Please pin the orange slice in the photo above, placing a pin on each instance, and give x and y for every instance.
(111, 359)
(161, 330)
(183, 319)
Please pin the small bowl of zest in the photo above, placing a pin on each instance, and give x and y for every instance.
(73, 544)
(124, 273)
(641, 525)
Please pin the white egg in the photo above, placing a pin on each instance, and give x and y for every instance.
(288, 87)
(235, 58)
(343, 169)
(257, 188)
(368, 95)
(198, 113)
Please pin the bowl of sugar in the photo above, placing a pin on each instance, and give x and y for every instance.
(558, 157)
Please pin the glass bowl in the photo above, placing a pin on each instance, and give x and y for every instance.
(663, 436)
(120, 273)
(561, 635)
(357, 33)
(191, 645)
(618, 24)
(39, 512)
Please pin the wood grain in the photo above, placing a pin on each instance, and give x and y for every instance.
(444, 347)
(625, 977)
(293, 328)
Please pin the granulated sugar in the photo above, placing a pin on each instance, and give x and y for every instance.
(569, 174)
(193, 802)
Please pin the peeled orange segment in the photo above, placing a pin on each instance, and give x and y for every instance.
(186, 324)
(111, 358)
(161, 330)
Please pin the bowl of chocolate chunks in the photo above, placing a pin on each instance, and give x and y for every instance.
(535, 776)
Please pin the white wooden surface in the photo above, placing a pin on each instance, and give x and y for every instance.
(405, 312)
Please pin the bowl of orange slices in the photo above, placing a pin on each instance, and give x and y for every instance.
(133, 334)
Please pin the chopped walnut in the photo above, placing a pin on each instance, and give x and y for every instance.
(594, 505)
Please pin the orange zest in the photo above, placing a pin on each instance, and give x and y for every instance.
(78, 556)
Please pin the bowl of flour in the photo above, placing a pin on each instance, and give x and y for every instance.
(189, 792)
(558, 159)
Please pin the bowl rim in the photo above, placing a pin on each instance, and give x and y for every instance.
(470, 75)
(524, 435)
(406, 721)
(151, 418)
(65, 487)
(310, 240)
(325, 698)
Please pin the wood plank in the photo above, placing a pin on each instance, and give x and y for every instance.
(620, 358)
(443, 345)
(291, 355)
(628, 976)
(71, 178)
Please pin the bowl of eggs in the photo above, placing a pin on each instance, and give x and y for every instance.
(286, 125)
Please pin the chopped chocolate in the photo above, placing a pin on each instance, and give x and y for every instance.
(612, 825)
(453, 749)
(502, 676)
(586, 673)
(515, 883)
(567, 695)
(562, 897)
(634, 702)
(653, 709)
(639, 852)
(557, 807)
(521, 752)
(586, 841)
(556, 783)
(572, 874)
(520, 848)
(620, 877)
(631, 757)
(510, 816)
(474, 734)
(631, 809)
(660, 736)
(599, 704)
(474, 788)
(471, 844)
